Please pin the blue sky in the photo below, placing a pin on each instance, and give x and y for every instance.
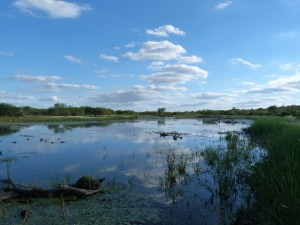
(143, 55)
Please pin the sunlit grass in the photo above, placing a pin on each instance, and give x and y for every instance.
(277, 180)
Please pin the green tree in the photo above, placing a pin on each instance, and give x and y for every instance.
(161, 111)
(9, 110)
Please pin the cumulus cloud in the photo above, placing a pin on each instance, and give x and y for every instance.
(140, 96)
(27, 78)
(3, 53)
(223, 5)
(212, 96)
(73, 59)
(247, 63)
(51, 8)
(164, 31)
(288, 81)
(109, 58)
(157, 50)
(137, 94)
(174, 74)
(189, 59)
(287, 84)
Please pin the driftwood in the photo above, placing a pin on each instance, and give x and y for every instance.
(13, 190)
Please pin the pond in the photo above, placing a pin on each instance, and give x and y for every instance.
(157, 171)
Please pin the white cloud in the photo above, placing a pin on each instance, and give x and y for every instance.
(287, 84)
(130, 45)
(174, 74)
(161, 50)
(52, 8)
(3, 53)
(247, 83)
(289, 81)
(27, 78)
(100, 71)
(57, 87)
(223, 5)
(116, 76)
(189, 59)
(271, 90)
(50, 99)
(73, 59)
(262, 102)
(141, 97)
(212, 96)
(22, 97)
(247, 63)
(109, 58)
(4, 95)
(286, 66)
(164, 31)
(167, 88)
(137, 94)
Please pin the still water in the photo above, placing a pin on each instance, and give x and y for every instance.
(150, 178)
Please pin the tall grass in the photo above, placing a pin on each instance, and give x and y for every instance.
(277, 177)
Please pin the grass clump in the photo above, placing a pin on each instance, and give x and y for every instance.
(277, 180)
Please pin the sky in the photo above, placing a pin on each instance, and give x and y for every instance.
(143, 55)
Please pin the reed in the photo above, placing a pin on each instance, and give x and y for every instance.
(276, 178)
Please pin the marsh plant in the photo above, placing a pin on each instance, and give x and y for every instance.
(8, 162)
(277, 180)
(230, 166)
(222, 171)
(175, 173)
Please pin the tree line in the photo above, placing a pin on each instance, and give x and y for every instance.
(61, 109)
(58, 109)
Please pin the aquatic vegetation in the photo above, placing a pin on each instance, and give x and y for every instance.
(222, 171)
(8, 161)
(276, 178)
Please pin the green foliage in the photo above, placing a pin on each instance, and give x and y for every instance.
(9, 110)
(61, 109)
(161, 111)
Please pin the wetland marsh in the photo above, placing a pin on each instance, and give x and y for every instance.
(197, 175)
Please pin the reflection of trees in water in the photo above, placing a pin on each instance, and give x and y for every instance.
(161, 122)
(9, 129)
(62, 128)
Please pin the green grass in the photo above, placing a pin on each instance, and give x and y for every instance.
(277, 177)
(41, 119)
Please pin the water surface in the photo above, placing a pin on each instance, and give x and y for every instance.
(135, 160)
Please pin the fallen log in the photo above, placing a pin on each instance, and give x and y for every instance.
(13, 190)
